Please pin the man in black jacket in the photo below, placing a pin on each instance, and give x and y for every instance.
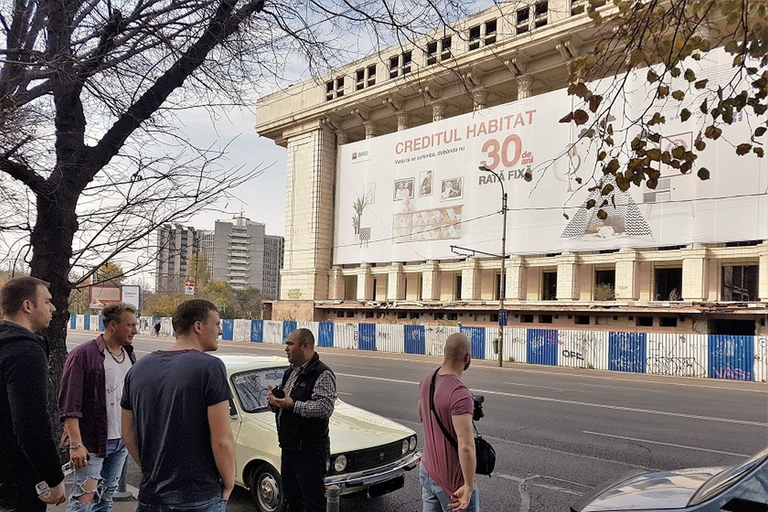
(29, 461)
(303, 403)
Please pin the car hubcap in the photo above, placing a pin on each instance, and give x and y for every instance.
(269, 493)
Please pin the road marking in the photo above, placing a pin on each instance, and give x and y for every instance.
(343, 393)
(584, 404)
(547, 387)
(665, 444)
(623, 389)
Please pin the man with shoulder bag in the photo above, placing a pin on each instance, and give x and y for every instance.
(447, 473)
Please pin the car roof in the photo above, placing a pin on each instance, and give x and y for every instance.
(241, 362)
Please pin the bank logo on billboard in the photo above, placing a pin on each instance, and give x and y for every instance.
(359, 154)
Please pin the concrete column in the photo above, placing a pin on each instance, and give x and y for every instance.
(395, 282)
(694, 272)
(762, 274)
(470, 280)
(341, 137)
(364, 282)
(430, 281)
(438, 111)
(402, 121)
(370, 129)
(567, 277)
(524, 84)
(515, 278)
(335, 284)
(626, 275)
(480, 98)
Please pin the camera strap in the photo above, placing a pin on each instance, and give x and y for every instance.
(447, 434)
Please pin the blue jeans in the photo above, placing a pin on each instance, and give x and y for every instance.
(434, 498)
(107, 471)
(213, 505)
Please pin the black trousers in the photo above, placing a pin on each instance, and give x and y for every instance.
(303, 474)
(20, 498)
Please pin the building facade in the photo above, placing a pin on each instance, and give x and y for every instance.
(503, 65)
(176, 245)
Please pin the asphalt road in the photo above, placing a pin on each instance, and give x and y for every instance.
(557, 432)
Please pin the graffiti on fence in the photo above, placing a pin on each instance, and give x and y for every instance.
(663, 359)
(731, 373)
(436, 336)
(761, 358)
(626, 364)
(579, 349)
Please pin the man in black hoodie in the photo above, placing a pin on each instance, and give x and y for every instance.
(30, 469)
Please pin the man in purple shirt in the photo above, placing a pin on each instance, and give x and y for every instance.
(89, 406)
(447, 475)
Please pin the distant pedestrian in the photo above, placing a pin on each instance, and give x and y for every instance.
(89, 406)
(157, 329)
(29, 460)
(447, 475)
(176, 418)
(303, 403)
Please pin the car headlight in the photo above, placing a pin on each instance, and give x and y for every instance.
(340, 463)
(405, 446)
(412, 444)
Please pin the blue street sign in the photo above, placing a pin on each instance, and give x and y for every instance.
(502, 317)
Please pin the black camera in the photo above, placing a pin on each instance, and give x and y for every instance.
(478, 412)
(278, 392)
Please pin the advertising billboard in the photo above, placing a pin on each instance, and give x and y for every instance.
(411, 195)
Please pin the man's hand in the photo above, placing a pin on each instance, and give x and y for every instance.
(280, 403)
(79, 457)
(225, 493)
(460, 498)
(55, 496)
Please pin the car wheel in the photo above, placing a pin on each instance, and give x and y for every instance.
(267, 489)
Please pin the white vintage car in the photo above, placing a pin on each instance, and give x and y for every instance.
(369, 453)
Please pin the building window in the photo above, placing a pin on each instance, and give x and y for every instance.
(374, 290)
(457, 288)
(549, 286)
(482, 35)
(369, 314)
(350, 287)
(605, 285)
(414, 316)
(581, 320)
(402, 314)
(523, 19)
(400, 65)
(644, 321)
(668, 283)
(498, 288)
(350, 314)
(526, 319)
(541, 13)
(545, 319)
(339, 314)
(438, 51)
(740, 283)
(668, 321)
(365, 77)
(334, 88)
(451, 316)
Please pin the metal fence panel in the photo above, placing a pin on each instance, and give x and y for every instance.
(583, 349)
(288, 327)
(241, 330)
(312, 326)
(366, 336)
(626, 351)
(683, 355)
(273, 332)
(72, 321)
(94, 323)
(731, 357)
(761, 358)
(325, 334)
(542, 346)
(81, 322)
(415, 339)
(390, 338)
(436, 336)
(227, 329)
(345, 336)
(257, 331)
(476, 337)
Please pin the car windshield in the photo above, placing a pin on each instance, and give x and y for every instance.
(252, 386)
(725, 478)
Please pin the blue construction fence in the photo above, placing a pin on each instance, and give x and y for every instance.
(690, 355)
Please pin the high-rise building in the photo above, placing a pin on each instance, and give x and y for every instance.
(176, 245)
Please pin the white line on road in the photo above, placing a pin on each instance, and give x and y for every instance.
(546, 387)
(664, 444)
(583, 404)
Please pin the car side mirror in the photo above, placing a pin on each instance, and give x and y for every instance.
(232, 410)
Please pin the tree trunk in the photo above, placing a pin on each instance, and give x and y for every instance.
(52, 252)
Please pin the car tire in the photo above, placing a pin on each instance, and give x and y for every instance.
(267, 489)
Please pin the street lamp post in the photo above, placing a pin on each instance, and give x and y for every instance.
(502, 256)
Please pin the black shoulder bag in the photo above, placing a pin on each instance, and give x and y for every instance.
(485, 455)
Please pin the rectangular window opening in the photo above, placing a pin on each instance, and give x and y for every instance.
(526, 319)
(545, 319)
(740, 283)
(668, 321)
(644, 321)
(549, 285)
(581, 320)
(523, 18)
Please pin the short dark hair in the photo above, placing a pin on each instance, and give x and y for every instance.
(189, 312)
(16, 291)
(114, 312)
(305, 335)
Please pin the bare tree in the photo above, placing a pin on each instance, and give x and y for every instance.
(668, 37)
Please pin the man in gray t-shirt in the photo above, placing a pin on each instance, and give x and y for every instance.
(176, 417)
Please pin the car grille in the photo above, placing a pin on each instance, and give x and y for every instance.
(375, 457)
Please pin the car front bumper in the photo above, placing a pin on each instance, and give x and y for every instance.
(362, 481)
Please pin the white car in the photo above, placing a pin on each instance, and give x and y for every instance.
(369, 453)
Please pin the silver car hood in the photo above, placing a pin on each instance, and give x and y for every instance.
(665, 490)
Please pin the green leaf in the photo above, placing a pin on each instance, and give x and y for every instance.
(703, 174)
(685, 114)
(612, 166)
(712, 132)
(678, 95)
(700, 84)
(689, 75)
(602, 215)
(700, 144)
(663, 92)
(607, 189)
(591, 204)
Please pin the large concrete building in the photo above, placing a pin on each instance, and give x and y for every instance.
(237, 252)
(494, 72)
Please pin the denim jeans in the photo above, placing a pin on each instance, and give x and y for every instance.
(434, 498)
(107, 471)
(213, 505)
